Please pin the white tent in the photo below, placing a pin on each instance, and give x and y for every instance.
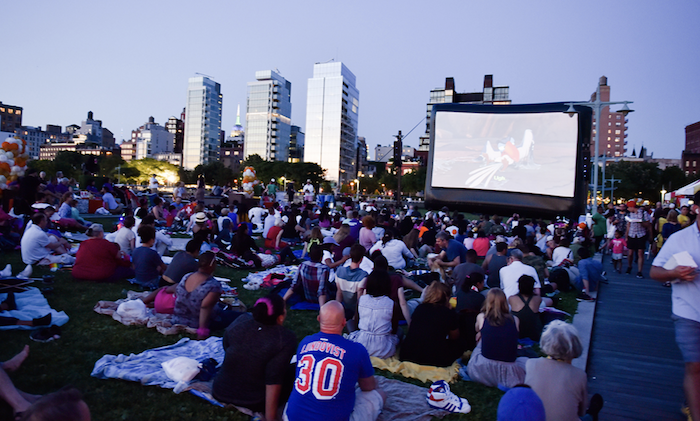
(688, 190)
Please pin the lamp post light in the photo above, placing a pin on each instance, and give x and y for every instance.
(663, 195)
(597, 106)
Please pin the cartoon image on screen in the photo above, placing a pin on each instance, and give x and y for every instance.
(528, 153)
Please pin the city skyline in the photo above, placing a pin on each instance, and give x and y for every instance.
(548, 52)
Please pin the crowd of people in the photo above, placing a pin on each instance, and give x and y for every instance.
(485, 286)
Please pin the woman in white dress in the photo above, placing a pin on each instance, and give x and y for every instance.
(377, 324)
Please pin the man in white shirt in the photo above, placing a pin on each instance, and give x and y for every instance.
(516, 268)
(270, 221)
(38, 247)
(256, 216)
(685, 298)
(153, 184)
(308, 191)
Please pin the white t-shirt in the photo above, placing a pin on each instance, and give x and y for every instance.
(510, 274)
(220, 222)
(269, 223)
(109, 201)
(33, 245)
(685, 296)
(123, 238)
(560, 254)
(309, 190)
(394, 251)
(153, 183)
(255, 215)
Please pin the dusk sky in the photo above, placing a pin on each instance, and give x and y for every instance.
(128, 60)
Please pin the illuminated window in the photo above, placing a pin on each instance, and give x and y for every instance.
(617, 132)
(11, 111)
(687, 163)
(609, 146)
(609, 131)
(19, 111)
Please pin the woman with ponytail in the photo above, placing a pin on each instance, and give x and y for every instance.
(257, 362)
(394, 250)
(101, 260)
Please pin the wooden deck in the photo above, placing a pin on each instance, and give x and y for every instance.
(634, 362)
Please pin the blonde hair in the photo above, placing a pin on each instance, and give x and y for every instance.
(495, 307)
(436, 293)
(343, 232)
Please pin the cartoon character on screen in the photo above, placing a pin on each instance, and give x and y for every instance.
(498, 160)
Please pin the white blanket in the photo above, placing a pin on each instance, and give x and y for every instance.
(31, 304)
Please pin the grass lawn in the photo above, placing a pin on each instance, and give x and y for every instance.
(88, 336)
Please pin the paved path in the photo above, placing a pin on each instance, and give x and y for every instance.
(634, 362)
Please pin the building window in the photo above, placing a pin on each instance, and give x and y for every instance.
(619, 117)
(609, 123)
(687, 164)
(695, 164)
(617, 132)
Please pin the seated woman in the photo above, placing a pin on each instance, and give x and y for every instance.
(256, 364)
(561, 386)
(101, 260)
(197, 304)
(315, 239)
(411, 241)
(378, 321)
(343, 240)
(399, 283)
(367, 237)
(469, 303)
(394, 250)
(494, 360)
(526, 307)
(432, 336)
(273, 240)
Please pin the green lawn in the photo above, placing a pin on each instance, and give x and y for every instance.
(88, 336)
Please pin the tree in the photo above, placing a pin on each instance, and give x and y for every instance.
(673, 178)
(215, 172)
(637, 179)
(165, 172)
(297, 172)
(414, 181)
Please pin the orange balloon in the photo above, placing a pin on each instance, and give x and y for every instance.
(4, 166)
(6, 145)
(20, 162)
(12, 147)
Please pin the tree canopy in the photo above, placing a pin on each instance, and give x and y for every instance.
(297, 172)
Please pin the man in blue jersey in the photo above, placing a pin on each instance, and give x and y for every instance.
(335, 378)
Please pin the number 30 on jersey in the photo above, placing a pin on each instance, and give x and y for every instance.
(322, 377)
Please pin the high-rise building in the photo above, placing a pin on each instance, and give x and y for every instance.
(332, 107)
(152, 139)
(202, 122)
(383, 153)
(361, 155)
(268, 117)
(296, 145)
(494, 95)
(613, 126)
(10, 118)
(176, 126)
(691, 154)
(232, 147)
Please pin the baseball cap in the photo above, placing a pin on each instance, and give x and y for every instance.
(582, 225)
(631, 204)
(330, 240)
(521, 404)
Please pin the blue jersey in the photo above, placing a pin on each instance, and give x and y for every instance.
(328, 367)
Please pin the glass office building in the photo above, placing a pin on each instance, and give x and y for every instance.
(202, 122)
(268, 119)
(331, 121)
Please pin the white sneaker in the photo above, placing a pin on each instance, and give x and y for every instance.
(440, 397)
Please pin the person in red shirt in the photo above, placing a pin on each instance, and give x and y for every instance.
(101, 260)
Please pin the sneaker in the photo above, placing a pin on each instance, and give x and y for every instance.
(639, 275)
(582, 296)
(42, 321)
(595, 406)
(629, 270)
(440, 397)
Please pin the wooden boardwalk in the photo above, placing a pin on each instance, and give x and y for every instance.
(634, 362)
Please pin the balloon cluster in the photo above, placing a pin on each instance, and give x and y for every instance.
(249, 181)
(13, 160)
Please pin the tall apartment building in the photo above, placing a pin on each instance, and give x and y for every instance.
(613, 126)
(268, 117)
(202, 122)
(34, 137)
(10, 118)
(691, 154)
(176, 126)
(361, 155)
(494, 95)
(151, 139)
(296, 145)
(332, 107)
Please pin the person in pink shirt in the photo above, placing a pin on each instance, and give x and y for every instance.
(618, 246)
(367, 237)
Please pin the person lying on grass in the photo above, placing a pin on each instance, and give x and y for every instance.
(10, 304)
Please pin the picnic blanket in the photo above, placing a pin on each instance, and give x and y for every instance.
(425, 373)
(405, 401)
(162, 322)
(255, 280)
(31, 304)
(146, 368)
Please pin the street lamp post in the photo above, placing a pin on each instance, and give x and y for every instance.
(597, 106)
(663, 195)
